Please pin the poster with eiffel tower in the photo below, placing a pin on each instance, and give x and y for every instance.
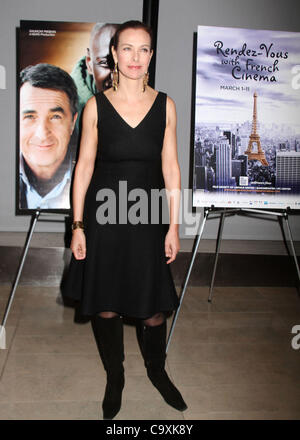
(247, 119)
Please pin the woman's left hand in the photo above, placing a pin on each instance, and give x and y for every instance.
(172, 245)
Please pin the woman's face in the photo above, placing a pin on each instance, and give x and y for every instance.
(133, 53)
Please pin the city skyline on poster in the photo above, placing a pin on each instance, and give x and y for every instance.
(247, 124)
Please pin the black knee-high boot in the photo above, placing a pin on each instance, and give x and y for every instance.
(154, 352)
(108, 333)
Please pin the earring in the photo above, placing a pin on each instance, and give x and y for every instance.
(145, 81)
(115, 81)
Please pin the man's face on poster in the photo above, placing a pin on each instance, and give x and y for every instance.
(46, 125)
(97, 56)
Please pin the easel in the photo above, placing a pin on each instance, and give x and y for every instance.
(207, 212)
(33, 222)
(223, 212)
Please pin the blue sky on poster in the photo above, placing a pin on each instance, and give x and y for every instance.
(278, 100)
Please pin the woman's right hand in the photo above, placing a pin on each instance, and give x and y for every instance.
(78, 244)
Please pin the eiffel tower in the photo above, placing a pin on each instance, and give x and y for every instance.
(255, 139)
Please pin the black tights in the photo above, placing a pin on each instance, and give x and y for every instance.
(153, 321)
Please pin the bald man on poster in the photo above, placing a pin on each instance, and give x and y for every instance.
(92, 73)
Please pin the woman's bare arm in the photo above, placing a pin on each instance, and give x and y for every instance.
(83, 173)
(171, 174)
(86, 161)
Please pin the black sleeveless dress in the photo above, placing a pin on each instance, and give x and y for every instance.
(125, 268)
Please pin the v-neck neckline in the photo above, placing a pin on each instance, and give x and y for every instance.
(141, 121)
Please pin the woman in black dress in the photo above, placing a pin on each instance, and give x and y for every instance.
(121, 268)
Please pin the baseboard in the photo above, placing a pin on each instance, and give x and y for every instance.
(47, 266)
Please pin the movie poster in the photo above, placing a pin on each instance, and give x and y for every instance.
(247, 119)
(60, 66)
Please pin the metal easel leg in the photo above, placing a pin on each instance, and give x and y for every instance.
(280, 221)
(15, 284)
(219, 238)
(279, 216)
(206, 212)
(286, 218)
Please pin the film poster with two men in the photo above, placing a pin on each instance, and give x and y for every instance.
(61, 65)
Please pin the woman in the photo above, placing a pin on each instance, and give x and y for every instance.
(121, 268)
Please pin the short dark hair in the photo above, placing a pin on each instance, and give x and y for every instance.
(47, 76)
(132, 24)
